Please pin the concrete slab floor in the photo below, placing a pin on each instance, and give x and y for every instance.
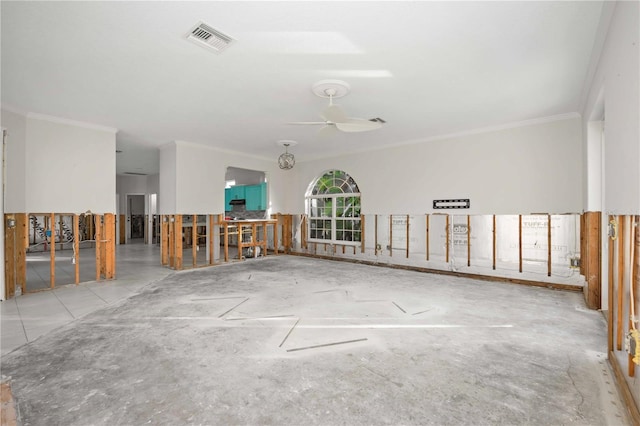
(286, 340)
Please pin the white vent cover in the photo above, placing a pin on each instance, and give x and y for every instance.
(204, 35)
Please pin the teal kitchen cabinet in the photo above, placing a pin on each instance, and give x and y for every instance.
(233, 193)
(256, 196)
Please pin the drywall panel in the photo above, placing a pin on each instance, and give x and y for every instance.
(617, 79)
(197, 186)
(15, 161)
(534, 168)
(167, 179)
(70, 168)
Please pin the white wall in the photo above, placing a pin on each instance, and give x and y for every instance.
(16, 163)
(617, 79)
(199, 178)
(528, 169)
(167, 179)
(244, 176)
(70, 167)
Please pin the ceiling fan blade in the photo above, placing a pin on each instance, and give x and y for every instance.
(306, 122)
(334, 114)
(358, 125)
(327, 131)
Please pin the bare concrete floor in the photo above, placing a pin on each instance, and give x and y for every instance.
(286, 340)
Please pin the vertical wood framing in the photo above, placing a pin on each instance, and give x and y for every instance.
(303, 231)
(468, 240)
(610, 286)
(590, 258)
(407, 236)
(226, 241)
(494, 242)
(110, 246)
(103, 247)
(61, 224)
(146, 229)
(362, 223)
(76, 247)
(446, 233)
(548, 245)
(22, 243)
(265, 241)
(390, 235)
(10, 257)
(122, 223)
(632, 288)
(427, 235)
(194, 241)
(52, 245)
(211, 236)
(172, 241)
(164, 240)
(520, 242)
(178, 242)
(620, 283)
(375, 234)
(583, 246)
(98, 233)
(276, 241)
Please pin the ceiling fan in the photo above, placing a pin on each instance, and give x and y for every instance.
(334, 116)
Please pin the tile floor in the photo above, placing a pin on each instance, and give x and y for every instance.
(29, 316)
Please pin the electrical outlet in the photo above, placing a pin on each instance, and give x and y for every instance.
(575, 262)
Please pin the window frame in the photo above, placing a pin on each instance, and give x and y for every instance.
(338, 225)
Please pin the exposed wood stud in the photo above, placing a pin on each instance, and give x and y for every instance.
(76, 247)
(52, 246)
(548, 245)
(468, 240)
(590, 258)
(375, 235)
(520, 242)
(194, 241)
(178, 242)
(226, 241)
(494, 231)
(610, 285)
(362, 223)
(10, 257)
(110, 246)
(211, 234)
(21, 245)
(390, 235)
(620, 283)
(172, 241)
(407, 236)
(427, 236)
(98, 243)
(446, 232)
(632, 287)
(123, 228)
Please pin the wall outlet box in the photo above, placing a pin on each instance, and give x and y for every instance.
(575, 262)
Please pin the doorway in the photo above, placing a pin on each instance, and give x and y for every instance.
(135, 218)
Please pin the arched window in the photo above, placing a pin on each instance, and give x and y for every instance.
(333, 209)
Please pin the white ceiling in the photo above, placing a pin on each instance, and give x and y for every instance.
(427, 68)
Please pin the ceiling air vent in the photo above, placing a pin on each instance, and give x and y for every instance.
(203, 35)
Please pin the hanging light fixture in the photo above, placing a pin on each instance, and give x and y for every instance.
(286, 160)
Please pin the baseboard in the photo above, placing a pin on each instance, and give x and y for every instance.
(555, 286)
(623, 387)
